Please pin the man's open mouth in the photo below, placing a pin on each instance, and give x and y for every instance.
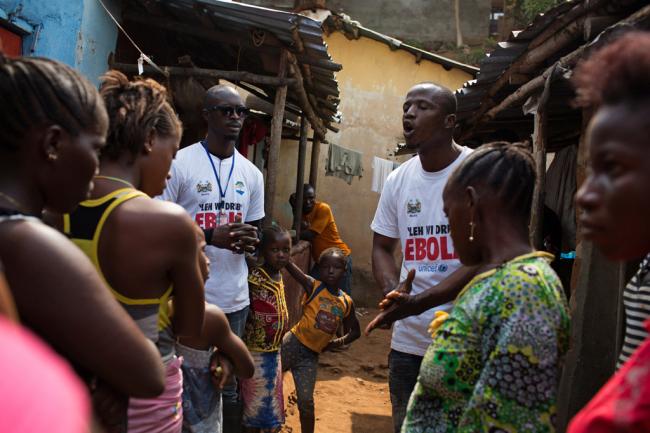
(408, 128)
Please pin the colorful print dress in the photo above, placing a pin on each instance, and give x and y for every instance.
(262, 395)
(269, 316)
(495, 363)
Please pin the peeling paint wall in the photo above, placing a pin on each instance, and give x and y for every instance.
(76, 32)
(373, 83)
(98, 38)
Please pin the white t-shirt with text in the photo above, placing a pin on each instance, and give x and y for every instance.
(411, 209)
(193, 185)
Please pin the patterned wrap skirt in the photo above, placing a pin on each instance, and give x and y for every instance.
(262, 395)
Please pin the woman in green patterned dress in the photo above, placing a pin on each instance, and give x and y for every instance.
(495, 361)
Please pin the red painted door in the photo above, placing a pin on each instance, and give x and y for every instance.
(10, 43)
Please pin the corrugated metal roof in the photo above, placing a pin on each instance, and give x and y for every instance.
(489, 87)
(495, 63)
(264, 29)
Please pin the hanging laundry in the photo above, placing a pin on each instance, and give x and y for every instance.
(381, 168)
(343, 163)
(253, 132)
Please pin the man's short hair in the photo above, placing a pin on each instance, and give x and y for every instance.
(215, 92)
(443, 96)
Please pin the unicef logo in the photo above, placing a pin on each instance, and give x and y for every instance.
(442, 267)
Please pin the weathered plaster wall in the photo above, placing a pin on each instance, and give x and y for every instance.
(76, 32)
(373, 83)
(97, 38)
(428, 22)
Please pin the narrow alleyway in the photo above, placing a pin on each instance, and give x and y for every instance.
(352, 389)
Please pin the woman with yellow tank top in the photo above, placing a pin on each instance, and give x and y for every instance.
(145, 249)
(52, 125)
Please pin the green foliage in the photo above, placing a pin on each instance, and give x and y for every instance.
(530, 8)
(470, 55)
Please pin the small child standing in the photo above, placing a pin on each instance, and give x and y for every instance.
(208, 361)
(262, 397)
(325, 307)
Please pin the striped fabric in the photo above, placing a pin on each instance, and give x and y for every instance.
(636, 300)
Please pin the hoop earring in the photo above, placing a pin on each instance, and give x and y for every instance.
(471, 231)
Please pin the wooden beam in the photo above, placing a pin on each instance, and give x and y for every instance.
(546, 43)
(300, 175)
(518, 79)
(313, 166)
(267, 98)
(565, 62)
(235, 76)
(579, 10)
(303, 99)
(595, 25)
(540, 137)
(533, 57)
(276, 138)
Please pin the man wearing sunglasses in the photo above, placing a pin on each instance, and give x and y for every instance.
(224, 193)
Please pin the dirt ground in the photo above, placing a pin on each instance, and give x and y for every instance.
(352, 387)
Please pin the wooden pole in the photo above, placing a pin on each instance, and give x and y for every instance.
(313, 166)
(208, 73)
(303, 99)
(300, 176)
(276, 138)
(596, 290)
(540, 137)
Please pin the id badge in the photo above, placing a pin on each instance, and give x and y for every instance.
(222, 218)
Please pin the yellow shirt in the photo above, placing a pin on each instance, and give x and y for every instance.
(321, 221)
(322, 313)
(84, 227)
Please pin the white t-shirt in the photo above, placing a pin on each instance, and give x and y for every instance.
(411, 209)
(193, 185)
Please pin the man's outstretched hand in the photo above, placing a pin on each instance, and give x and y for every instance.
(396, 305)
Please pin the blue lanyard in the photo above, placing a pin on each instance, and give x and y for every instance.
(222, 192)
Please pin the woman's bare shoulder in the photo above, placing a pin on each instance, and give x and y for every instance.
(154, 217)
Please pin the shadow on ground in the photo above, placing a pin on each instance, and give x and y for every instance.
(368, 423)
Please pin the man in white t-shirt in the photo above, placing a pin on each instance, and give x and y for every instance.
(224, 193)
(410, 212)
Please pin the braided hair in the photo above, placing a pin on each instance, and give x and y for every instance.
(270, 234)
(507, 170)
(135, 109)
(39, 92)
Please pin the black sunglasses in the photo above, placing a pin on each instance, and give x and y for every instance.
(229, 110)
